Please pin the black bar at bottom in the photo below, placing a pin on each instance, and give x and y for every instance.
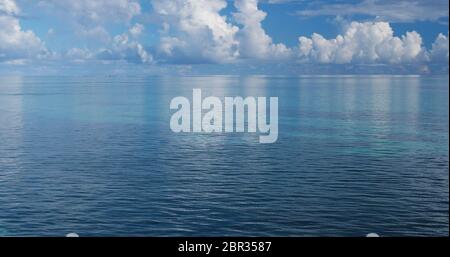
(228, 246)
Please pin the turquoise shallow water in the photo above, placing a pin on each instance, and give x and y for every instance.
(96, 156)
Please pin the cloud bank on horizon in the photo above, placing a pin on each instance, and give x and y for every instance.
(155, 33)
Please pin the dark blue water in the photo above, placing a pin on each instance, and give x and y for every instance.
(96, 156)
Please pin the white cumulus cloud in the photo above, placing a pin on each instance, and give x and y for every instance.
(16, 43)
(439, 51)
(366, 42)
(253, 39)
(8, 7)
(125, 48)
(194, 30)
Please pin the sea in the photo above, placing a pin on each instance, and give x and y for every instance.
(96, 156)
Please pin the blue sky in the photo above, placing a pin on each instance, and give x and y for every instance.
(223, 37)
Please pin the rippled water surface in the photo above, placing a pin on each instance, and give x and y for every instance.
(96, 156)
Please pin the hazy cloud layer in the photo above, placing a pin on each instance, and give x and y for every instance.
(387, 10)
(89, 19)
(96, 11)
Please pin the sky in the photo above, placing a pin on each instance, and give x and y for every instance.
(268, 37)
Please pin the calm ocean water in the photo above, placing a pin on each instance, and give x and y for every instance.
(96, 156)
